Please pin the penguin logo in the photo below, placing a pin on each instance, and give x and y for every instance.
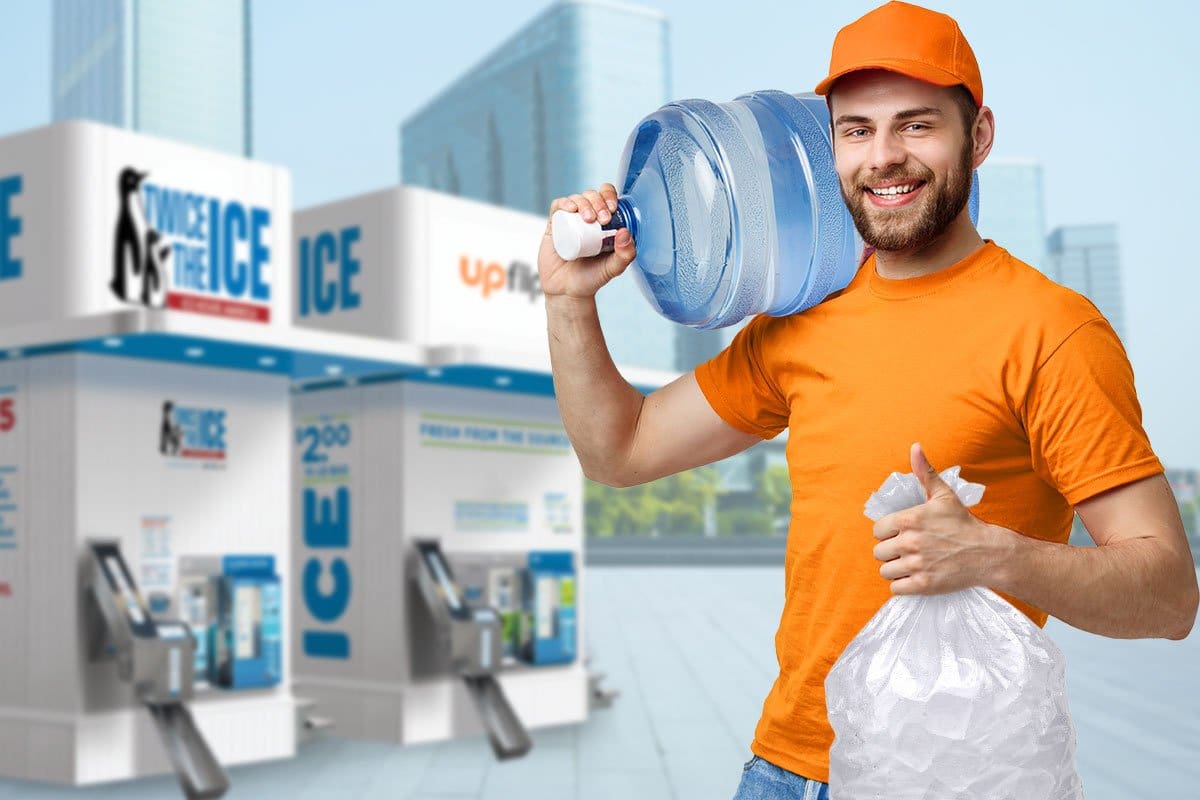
(153, 292)
(169, 433)
(137, 252)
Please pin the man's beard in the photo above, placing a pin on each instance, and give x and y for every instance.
(886, 230)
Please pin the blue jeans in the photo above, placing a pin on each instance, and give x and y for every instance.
(762, 780)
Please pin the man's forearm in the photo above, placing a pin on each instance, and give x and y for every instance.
(1124, 590)
(599, 407)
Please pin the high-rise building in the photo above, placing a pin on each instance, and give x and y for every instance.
(1011, 212)
(1086, 258)
(547, 114)
(180, 70)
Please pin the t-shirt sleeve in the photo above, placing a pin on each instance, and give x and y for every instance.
(738, 384)
(1083, 418)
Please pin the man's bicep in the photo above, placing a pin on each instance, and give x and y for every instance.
(1141, 509)
(678, 430)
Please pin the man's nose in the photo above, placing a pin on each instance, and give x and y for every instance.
(887, 149)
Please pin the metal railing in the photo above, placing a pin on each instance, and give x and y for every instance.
(685, 550)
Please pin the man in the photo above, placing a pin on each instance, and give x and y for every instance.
(941, 338)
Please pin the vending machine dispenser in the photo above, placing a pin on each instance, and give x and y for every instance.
(85, 461)
(438, 518)
(144, 534)
(156, 658)
(439, 544)
(221, 490)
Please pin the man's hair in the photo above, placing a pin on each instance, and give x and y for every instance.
(966, 106)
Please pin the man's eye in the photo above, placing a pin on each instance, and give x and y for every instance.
(918, 125)
(854, 133)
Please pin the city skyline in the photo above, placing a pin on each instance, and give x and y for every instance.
(1087, 259)
(551, 69)
(485, 136)
(329, 90)
(176, 70)
(1014, 214)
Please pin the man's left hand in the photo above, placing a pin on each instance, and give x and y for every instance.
(938, 546)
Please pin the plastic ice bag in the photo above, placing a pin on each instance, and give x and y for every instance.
(956, 696)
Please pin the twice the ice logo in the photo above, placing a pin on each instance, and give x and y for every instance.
(491, 277)
(189, 251)
(192, 433)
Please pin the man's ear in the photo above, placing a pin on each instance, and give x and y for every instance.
(984, 133)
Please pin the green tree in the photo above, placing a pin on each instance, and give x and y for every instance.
(745, 522)
(773, 490)
(672, 505)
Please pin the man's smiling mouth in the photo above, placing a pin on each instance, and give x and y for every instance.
(896, 190)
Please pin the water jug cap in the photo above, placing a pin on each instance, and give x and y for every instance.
(573, 237)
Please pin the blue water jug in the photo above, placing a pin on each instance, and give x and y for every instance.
(735, 208)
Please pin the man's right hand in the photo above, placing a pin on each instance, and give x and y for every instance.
(621, 437)
(583, 277)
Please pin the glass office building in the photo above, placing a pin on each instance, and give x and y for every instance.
(1011, 211)
(1086, 258)
(546, 114)
(180, 70)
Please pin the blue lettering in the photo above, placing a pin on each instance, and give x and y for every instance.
(326, 644)
(482, 434)
(217, 231)
(212, 429)
(214, 248)
(437, 431)
(549, 440)
(326, 528)
(234, 271)
(350, 267)
(305, 268)
(259, 219)
(318, 291)
(185, 417)
(324, 252)
(10, 228)
(203, 428)
(189, 266)
(199, 229)
(175, 213)
(326, 607)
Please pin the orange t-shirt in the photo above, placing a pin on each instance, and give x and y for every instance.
(991, 366)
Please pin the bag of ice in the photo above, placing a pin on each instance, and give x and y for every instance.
(957, 696)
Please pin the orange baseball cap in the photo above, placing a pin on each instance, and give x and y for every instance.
(908, 39)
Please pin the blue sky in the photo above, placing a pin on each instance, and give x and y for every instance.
(1104, 94)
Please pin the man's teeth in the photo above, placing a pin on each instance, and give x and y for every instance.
(894, 190)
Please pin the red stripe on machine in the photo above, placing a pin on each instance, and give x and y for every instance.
(217, 307)
(217, 455)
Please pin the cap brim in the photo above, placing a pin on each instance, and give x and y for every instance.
(913, 69)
